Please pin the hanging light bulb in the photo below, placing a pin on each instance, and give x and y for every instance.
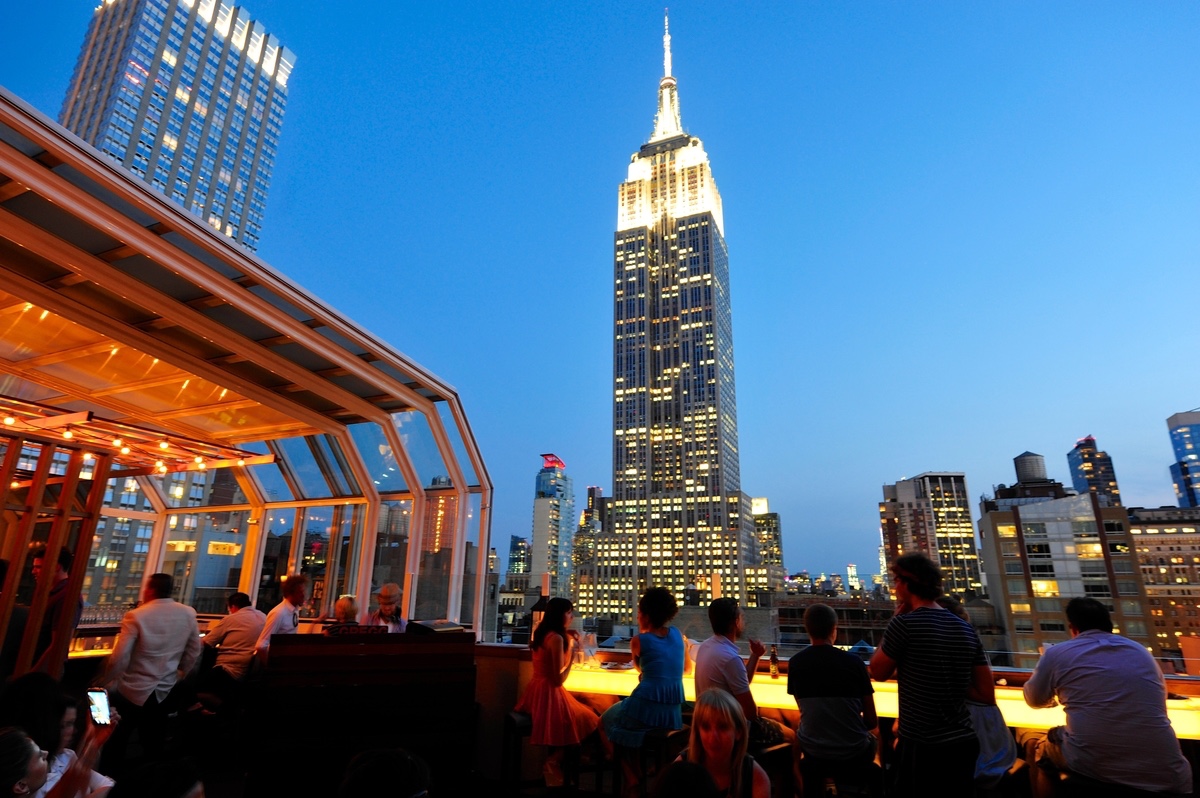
(9, 421)
(162, 468)
(159, 464)
(163, 444)
(68, 434)
(124, 450)
(202, 465)
(241, 462)
(199, 459)
(118, 442)
(87, 456)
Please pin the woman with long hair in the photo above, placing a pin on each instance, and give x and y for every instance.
(23, 768)
(559, 720)
(718, 742)
(660, 655)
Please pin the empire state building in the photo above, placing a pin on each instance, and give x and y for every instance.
(678, 515)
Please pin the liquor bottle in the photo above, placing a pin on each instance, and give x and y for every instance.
(774, 661)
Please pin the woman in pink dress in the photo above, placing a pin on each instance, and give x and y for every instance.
(559, 720)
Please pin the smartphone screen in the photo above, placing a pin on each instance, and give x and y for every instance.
(98, 702)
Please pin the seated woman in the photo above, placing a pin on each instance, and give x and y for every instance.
(559, 720)
(660, 656)
(23, 767)
(719, 740)
(345, 616)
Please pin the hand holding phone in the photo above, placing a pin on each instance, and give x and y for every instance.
(98, 703)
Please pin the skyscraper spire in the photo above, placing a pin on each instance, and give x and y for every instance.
(666, 121)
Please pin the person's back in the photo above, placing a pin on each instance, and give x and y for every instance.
(662, 657)
(829, 685)
(1114, 696)
(165, 631)
(934, 670)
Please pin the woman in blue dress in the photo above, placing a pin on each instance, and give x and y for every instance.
(660, 656)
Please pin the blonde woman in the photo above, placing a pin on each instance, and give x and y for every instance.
(718, 742)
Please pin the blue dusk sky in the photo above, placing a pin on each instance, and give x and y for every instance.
(957, 231)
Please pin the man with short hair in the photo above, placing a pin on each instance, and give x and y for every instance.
(388, 612)
(833, 693)
(719, 664)
(1115, 698)
(938, 660)
(284, 617)
(56, 606)
(158, 645)
(235, 637)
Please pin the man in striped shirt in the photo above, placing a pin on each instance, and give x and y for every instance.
(938, 661)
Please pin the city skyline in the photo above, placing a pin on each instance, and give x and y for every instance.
(976, 185)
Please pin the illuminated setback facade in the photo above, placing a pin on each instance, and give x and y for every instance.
(932, 513)
(1167, 540)
(678, 513)
(188, 95)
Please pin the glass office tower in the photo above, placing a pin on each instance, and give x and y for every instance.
(678, 513)
(1092, 472)
(189, 96)
(1185, 471)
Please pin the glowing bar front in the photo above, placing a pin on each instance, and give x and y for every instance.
(1184, 713)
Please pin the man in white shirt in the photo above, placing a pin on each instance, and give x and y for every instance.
(1115, 698)
(284, 618)
(719, 664)
(158, 645)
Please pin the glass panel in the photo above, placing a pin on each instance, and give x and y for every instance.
(277, 550)
(270, 480)
(340, 476)
(326, 543)
(437, 548)
(298, 458)
(125, 493)
(216, 488)
(116, 565)
(391, 545)
(470, 587)
(421, 448)
(377, 453)
(456, 443)
(203, 553)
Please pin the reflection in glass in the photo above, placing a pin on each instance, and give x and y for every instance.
(215, 488)
(329, 453)
(117, 561)
(437, 549)
(470, 561)
(277, 551)
(422, 449)
(379, 458)
(203, 552)
(327, 533)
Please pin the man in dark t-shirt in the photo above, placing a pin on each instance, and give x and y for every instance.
(833, 692)
(938, 660)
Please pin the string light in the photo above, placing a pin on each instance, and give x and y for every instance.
(124, 450)
(241, 462)
(87, 456)
(118, 442)
(9, 420)
(163, 444)
(68, 434)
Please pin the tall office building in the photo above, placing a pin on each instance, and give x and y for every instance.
(932, 513)
(1043, 545)
(768, 531)
(1092, 472)
(553, 527)
(189, 96)
(519, 558)
(678, 513)
(1167, 542)
(1185, 471)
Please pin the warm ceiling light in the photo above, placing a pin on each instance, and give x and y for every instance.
(16, 484)
(10, 420)
(118, 442)
(199, 459)
(68, 434)
(241, 462)
(159, 464)
(124, 450)
(163, 444)
(203, 465)
(88, 455)
(162, 469)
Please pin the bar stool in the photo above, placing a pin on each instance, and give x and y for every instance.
(659, 747)
(517, 726)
